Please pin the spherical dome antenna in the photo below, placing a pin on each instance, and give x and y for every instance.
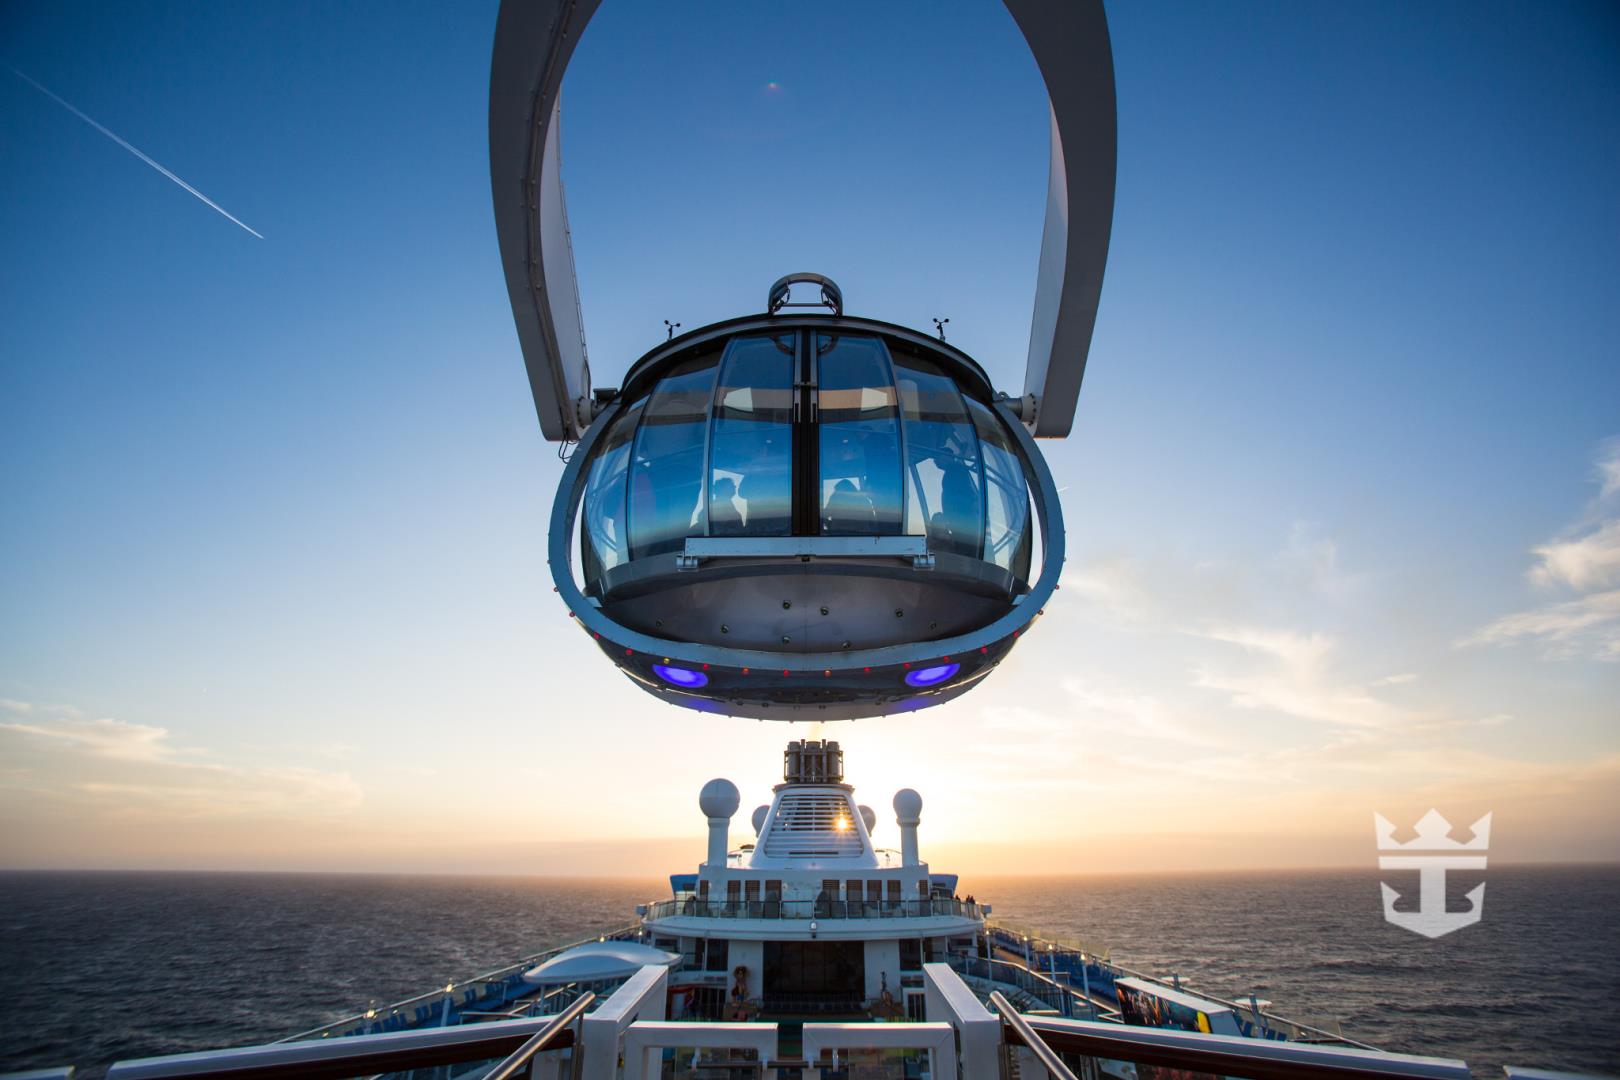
(907, 805)
(869, 816)
(759, 818)
(719, 798)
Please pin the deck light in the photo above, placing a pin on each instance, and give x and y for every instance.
(678, 676)
(932, 676)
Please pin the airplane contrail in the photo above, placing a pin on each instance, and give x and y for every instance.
(132, 149)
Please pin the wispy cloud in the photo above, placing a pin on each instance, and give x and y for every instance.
(1294, 678)
(121, 141)
(1585, 560)
(105, 737)
(1587, 626)
(1608, 468)
(110, 769)
(1133, 715)
(1312, 558)
(1580, 562)
(1301, 653)
(1109, 589)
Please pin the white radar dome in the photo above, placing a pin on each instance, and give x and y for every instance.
(907, 805)
(719, 798)
(869, 816)
(759, 818)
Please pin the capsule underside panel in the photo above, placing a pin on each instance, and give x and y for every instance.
(849, 693)
(807, 607)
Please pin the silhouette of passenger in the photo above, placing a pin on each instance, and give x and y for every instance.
(725, 519)
(849, 510)
(955, 526)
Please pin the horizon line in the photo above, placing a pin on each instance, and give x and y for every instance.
(565, 875)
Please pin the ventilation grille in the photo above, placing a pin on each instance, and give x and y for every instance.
(806, 824)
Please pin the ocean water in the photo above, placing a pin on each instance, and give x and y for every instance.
(96, 967)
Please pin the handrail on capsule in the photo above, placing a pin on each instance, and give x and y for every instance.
(1045, 1054)
(831, 295)
(698, 548)
(519, 1058)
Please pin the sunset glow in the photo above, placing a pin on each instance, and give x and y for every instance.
(1342, 497)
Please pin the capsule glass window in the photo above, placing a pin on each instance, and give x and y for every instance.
(944, 478)
(859, 490)
(666, 469)
(1008, 539)
(604, 542)
(751, 455)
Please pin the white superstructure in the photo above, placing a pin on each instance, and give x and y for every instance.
(812, 918)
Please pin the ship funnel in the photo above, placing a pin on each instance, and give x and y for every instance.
(813, 761)
(718, 801)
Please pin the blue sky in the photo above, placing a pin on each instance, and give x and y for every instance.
(273, 569)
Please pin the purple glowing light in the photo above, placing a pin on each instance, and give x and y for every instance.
(931, 676)
(679, 676)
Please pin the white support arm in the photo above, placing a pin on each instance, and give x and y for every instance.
(533, 42)
(1071, 47)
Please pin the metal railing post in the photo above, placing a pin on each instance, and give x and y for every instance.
(978, 1032)
(640, 998)
(521, 1058)
(1044, 1054)
(1085, 983)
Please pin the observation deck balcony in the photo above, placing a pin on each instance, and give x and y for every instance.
(832, 919)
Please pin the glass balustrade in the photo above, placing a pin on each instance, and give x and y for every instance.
(813, 909)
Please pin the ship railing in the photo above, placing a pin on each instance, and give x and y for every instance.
(394, 1053)
(1054, 1065)
(695, 907)
(549, 1003)
(1076, 963)
(1091, 1048)
(521, 1060)
(475, 998)
(1034, 991)
(629, 1026)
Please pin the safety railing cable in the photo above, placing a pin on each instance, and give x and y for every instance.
(1026, 1034)
(519, 1059)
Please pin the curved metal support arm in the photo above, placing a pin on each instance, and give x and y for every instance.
(1071, 46)
(533, 42)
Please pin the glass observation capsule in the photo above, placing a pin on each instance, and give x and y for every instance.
(805, 517)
